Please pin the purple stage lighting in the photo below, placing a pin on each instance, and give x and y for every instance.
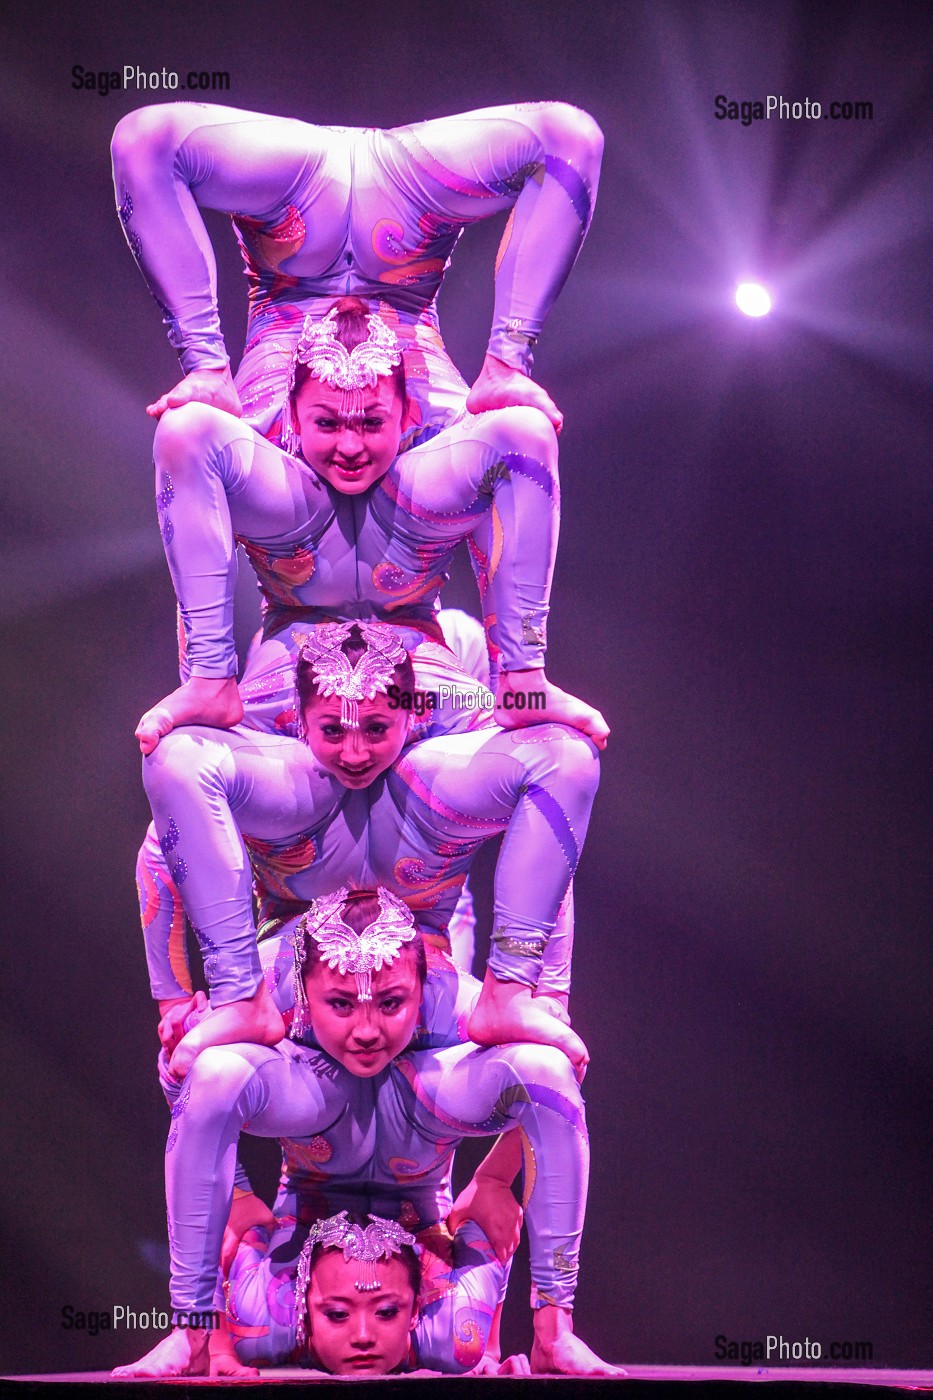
(752, 298)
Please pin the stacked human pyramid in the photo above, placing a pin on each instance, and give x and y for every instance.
(315, 821)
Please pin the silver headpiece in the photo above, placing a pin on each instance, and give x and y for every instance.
(334, 674)
(382, 1239)
(342, 949)
(332, 363)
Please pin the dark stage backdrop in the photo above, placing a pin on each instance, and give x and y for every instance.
(743, 587)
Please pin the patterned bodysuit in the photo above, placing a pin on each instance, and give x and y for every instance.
(492, 478)
(321, 212)
(462, 1281)
(383, 1144)
(319, 553)
(222, 800)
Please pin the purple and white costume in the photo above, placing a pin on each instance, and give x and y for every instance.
(321, 212)
(462, 1281)
(383, 554)
(224, 799)
(381, 1144)
(380, 554)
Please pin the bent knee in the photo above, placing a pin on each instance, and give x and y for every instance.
(525, 430)
(148, 134)
(542, 1065)
(187, 436)
(182, 759)
(217, 1077)
(568, 752)
(575, 136)
(579, 760)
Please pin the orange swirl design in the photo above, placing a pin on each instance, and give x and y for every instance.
(269, 247)
(274, 865)
(150, 902)
(280, 576)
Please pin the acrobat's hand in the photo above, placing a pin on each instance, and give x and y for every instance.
(211, 386)
(227, 1363)
(174, 1015)
(246, 1211)
(528, 697)
(517, 1365)
(501, 386)
(491, 1204)
(223, 1358)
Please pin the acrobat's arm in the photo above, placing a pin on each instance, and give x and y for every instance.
(169, 162)
(541, 160)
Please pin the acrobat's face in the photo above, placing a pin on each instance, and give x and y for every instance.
(365, 1036)
(355, 756)
(350, 451)
(356, 1333)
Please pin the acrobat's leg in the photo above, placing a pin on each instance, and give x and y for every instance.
(217, 479)
(206, 787)
(279, 1094)
(531, 1087)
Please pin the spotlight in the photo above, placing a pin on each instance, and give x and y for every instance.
(753, 299)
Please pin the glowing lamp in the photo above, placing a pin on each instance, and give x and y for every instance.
(752, 298)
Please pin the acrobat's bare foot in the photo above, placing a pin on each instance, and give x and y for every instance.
(210, 386)
(257, 1021)
(182, 1353)
(198, 701)
(528, 697)
(557, 1352)
(501, 386)
(554, 1005)
(507, 1012)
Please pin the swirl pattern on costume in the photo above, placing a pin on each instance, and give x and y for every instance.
(324, 211)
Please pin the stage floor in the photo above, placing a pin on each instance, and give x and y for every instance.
(643, 1383)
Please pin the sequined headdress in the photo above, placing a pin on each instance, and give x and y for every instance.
(343, 949)
(335, 674)
(382, 1239)
(328, 360)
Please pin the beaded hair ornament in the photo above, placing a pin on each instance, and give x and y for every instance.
(335, 674)
(332, 363)
(382, 1239)
(342, 948)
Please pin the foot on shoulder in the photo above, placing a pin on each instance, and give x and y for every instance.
(501, 386)
(257, 1021)
(199, 701)
(528, 697)
(507, 1012)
